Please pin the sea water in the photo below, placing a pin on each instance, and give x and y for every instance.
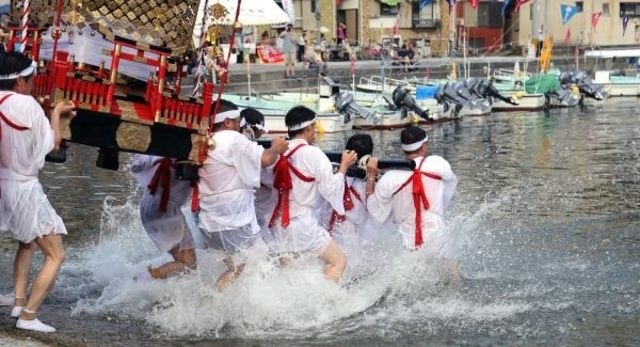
(545, 224)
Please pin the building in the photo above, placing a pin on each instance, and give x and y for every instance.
(608, 32)
(377, 21)
(483, 29)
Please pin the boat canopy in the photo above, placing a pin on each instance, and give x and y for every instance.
(613, 53)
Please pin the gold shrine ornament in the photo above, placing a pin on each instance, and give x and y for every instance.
(217, 11)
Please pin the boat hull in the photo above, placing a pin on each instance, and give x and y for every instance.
(528, 102)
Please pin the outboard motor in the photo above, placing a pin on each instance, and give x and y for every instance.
(588, 88)
(346, 104)
(485, 89)
(448, 97)
(402, 98)
(566, 78)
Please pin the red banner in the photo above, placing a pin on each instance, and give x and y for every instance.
(269, 55)
(567, 36)
(519, 3)
(595, 18)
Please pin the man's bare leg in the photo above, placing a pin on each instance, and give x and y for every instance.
(182, 260)
(21, 269)
(228, 276)
(51, 246)
(335, 261)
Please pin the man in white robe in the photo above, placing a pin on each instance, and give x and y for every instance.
(416, 200)
(346, 229)
(161, 213)
(26, 137)
(265, 201)
(228, 177)
(295, 221)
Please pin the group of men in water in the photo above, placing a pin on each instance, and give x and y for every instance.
(247, 193)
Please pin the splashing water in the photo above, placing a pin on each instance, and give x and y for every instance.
(544, 224)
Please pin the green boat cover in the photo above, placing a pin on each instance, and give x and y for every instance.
(541, 84)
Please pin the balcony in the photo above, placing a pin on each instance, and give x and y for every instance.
(426, 23)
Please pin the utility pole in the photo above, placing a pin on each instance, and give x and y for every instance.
(539, 10)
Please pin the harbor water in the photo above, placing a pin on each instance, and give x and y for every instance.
(545, 224)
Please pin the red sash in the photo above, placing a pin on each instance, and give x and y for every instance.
(8, 121)
(348, 205)
(419, 198)
(162, 177)
(282, 182)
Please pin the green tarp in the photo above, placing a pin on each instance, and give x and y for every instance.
(391, 2)
(541, 84)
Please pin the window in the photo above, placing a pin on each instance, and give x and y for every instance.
(427, 17)
(389, 10)
(427, 12)
(605, 9)
(629, 9)
(580, 6)
(490, 15)
(314, 6)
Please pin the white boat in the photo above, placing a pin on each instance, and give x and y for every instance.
(617, 84)
(511, 84)
(379, 84)
(526, 102)
(387, 118)
(274, 110)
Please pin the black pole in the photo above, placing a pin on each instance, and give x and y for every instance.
(335, 157)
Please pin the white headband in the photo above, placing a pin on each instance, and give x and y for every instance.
(220, 117)
(24, 73)
(414, 146)
(302, 125)
(259, 127)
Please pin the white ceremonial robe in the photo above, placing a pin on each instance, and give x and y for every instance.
(438, 192)
(25, 210)
(347, 232)
(304, 233)
(265, 203)
(166, 229)
(228, 177)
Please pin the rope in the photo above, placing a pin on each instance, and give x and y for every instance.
(223, 80)
(197, 76)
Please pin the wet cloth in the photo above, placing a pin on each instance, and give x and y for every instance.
(25, 210)
(304, 233)
(265, 203)
(233, 242)
(167, 229)
(346, 229)
(228, 178)
(387, 199)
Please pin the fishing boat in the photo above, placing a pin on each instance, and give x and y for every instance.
(618, 84)
(274, 110)
(379, 84)
(511, 84)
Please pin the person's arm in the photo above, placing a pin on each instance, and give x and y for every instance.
(372, 172)
(269, 156)
(379, 202)
(63, 107)
(330, 185)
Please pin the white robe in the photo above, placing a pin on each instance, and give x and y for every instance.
(25, 210)
(228, 177)
(347, 232)
(439, 193)
(166, 229)
(304, 233)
